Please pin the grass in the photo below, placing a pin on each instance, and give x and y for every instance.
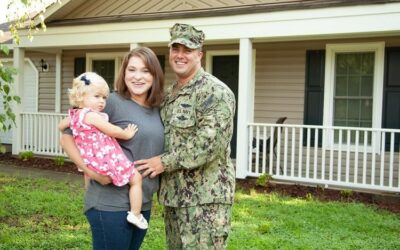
(45, 214)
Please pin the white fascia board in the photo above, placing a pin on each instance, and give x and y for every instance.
(353, 21)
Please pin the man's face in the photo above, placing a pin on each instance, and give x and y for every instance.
(184, 61)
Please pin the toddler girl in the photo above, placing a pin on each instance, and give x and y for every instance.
(95, 139)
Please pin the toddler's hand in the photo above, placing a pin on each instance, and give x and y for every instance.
(130, 131)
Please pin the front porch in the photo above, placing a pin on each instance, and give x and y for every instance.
(344, 157)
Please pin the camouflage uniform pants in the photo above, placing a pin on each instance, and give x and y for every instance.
(200, 227)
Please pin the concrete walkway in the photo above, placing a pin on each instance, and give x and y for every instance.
(14, 170)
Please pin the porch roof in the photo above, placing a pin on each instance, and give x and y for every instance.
(288, 25)
(82, 12)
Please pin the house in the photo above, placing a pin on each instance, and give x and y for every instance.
(331, 67)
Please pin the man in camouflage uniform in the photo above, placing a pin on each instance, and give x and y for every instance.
(198, 180)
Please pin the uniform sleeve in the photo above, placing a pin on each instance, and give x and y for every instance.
(208, 138)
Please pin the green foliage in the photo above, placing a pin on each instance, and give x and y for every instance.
(264, 228)
(26, 155)
(7, 117)
(263, 180)
(45, 214)
(2, 148)
(346, 193)
(59, 160)
(309, 197)
(17, 23)
(25, 20)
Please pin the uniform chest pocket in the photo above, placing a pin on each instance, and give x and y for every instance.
(183, 119)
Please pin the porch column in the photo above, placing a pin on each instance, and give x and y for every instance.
(135, 45)
(19, 55)
(58, 84)
(245, 105)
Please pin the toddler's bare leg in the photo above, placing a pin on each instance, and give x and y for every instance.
(135, 193)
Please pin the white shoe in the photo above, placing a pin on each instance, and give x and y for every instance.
(138, 221)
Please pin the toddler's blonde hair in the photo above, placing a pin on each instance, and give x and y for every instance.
(84, 83)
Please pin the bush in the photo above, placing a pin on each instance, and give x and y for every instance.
(263, 180)
(59, 161)
(26, 155)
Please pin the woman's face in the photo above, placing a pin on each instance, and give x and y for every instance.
(138, 78)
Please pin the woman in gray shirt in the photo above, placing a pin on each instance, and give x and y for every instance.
(139, 92)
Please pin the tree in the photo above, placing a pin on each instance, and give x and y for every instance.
(24, 20)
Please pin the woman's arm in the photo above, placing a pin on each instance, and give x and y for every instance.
(68, 144)
(109, 129)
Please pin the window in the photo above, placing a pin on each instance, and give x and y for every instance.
(353, 97)
(353, 87)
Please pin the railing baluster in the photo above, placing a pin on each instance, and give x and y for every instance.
(264, 158)
(31, 131)
(315, 152)
(347, 173)
(285, 152)
(23, 128)
(356, 157)
(52, 135)
(364, 173)
(250, 148)
(308, 154)
(300, 153)
(374, 142)
(258, 149)
(271, 150)
(278, 152)
(323, 154)
(382, 158)
(339, 171)
(391, 159)
(331, 136)
(35, 132)
(293, 151)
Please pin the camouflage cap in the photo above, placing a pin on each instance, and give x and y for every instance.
(187, 35)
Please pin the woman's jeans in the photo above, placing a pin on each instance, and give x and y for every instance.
(111, 230)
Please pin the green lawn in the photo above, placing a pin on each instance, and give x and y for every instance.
(44, 214)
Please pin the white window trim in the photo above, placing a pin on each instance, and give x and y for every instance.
(211, 53)
(331, 49)
(117, 56)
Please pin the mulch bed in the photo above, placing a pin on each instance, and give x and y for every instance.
(387, 202)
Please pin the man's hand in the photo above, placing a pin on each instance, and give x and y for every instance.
(151, 167)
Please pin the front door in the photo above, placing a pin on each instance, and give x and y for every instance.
(226, 68)
(105, 68)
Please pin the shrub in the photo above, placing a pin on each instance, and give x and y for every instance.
(263, 180)
(26, 155)
(346, 193)
(59, 161)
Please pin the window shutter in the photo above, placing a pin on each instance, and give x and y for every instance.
(314, 92)
(391, 94)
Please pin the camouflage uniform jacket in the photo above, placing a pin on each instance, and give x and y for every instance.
(198, 122)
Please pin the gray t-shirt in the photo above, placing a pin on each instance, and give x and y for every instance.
(147, 142)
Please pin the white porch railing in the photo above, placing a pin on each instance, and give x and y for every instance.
(40, 133)
(358, 158)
